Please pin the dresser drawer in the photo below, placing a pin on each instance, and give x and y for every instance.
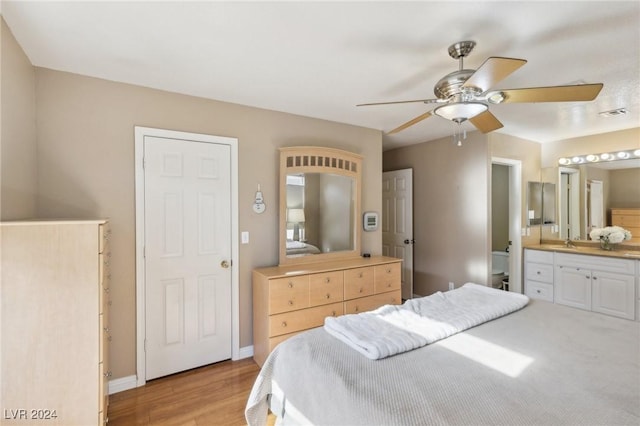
(288, 294)
(275, 341)
(358, 282)
(538, 256)
(326, 288)
(539, 272)
(538, 290)
(369, 303)
(290, 322)
(386, 277)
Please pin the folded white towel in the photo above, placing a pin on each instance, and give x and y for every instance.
(393, 329)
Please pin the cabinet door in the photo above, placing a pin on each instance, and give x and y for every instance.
(613, 294)
(573, 287)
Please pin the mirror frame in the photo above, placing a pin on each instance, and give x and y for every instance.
(312, 159)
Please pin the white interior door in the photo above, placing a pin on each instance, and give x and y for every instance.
(397, 223)
(596, 204)
(187, 205)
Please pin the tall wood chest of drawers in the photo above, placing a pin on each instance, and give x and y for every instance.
(628, 219)
(55, 328)
(291, 299)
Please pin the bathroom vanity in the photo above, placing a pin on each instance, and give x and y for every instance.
(585, 277)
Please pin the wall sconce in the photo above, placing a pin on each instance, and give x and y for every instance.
(296, 216)
(595, 158)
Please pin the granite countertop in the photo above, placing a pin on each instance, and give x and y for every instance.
(589, 248)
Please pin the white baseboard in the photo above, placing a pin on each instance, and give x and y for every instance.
(122, 384)
(130, 382)
(246, 352)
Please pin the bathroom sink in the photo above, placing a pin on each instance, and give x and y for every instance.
(562, 247)
(633, 254)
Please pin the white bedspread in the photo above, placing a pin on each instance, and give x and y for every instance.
(393, 329)
(542, 365)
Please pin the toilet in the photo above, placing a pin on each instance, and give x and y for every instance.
(499, 268)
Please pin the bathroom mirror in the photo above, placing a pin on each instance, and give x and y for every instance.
(534, 203)
(576, 208)
(541, 203)
(319, 204)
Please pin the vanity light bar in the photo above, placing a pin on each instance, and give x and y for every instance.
(594, 158)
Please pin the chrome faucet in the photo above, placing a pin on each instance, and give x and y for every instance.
(569, 244)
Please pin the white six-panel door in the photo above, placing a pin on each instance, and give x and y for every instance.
(397, 223)
(187, 254)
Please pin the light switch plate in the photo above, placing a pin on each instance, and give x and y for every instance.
(244, 237)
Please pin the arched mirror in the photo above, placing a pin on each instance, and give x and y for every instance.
(319, 204)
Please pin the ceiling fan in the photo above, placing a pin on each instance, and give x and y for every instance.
(465, 93)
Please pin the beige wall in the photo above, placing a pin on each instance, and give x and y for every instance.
(451, 221)
(18, 171)
(624, 191)
(450, 212)
(594, 144)
(86, 169)
(528, 153)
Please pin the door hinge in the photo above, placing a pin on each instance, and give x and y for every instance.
(144, 251)
(145, 345)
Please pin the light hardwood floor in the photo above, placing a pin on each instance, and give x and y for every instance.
(211, 395)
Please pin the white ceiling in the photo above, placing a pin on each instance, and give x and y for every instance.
(320, 59)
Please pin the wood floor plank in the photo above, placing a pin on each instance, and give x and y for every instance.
(214, 394)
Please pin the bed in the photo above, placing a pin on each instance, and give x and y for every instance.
(298, 248)
(544, 364)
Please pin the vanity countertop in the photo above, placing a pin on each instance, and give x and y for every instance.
(588, 248)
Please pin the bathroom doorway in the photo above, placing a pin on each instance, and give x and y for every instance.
(506, 223)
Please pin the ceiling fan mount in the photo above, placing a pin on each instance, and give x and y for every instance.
(466, 93)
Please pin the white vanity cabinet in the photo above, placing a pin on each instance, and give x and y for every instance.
(538, 274)
(596, 283)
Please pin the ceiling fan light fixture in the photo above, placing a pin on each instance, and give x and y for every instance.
(496, 97)
(460, 111)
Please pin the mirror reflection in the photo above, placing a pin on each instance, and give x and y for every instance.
(320, 213)
(591, 196)
(541, 203)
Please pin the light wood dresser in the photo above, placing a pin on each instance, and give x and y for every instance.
(629, 219)
(293, 298)
(55, 328)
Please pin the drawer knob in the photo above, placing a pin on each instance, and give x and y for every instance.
(360, 275)
(290, 284)
(595, 278)
(388, 271)
(328, 296)
(356, 309)
(333, 313)
(538, 291)
(538, 272)
(326, 280)
(290, 302)
(284, 323)
(389, 285)
(361, 290)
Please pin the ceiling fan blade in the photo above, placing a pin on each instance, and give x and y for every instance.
(486, 122)
(574, 93)
(411, 122)
(493, 70)
(426, 101)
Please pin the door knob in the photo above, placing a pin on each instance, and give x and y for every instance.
(411, 241)
(224, 264)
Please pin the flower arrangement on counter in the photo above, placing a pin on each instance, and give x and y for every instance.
(609, 235)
